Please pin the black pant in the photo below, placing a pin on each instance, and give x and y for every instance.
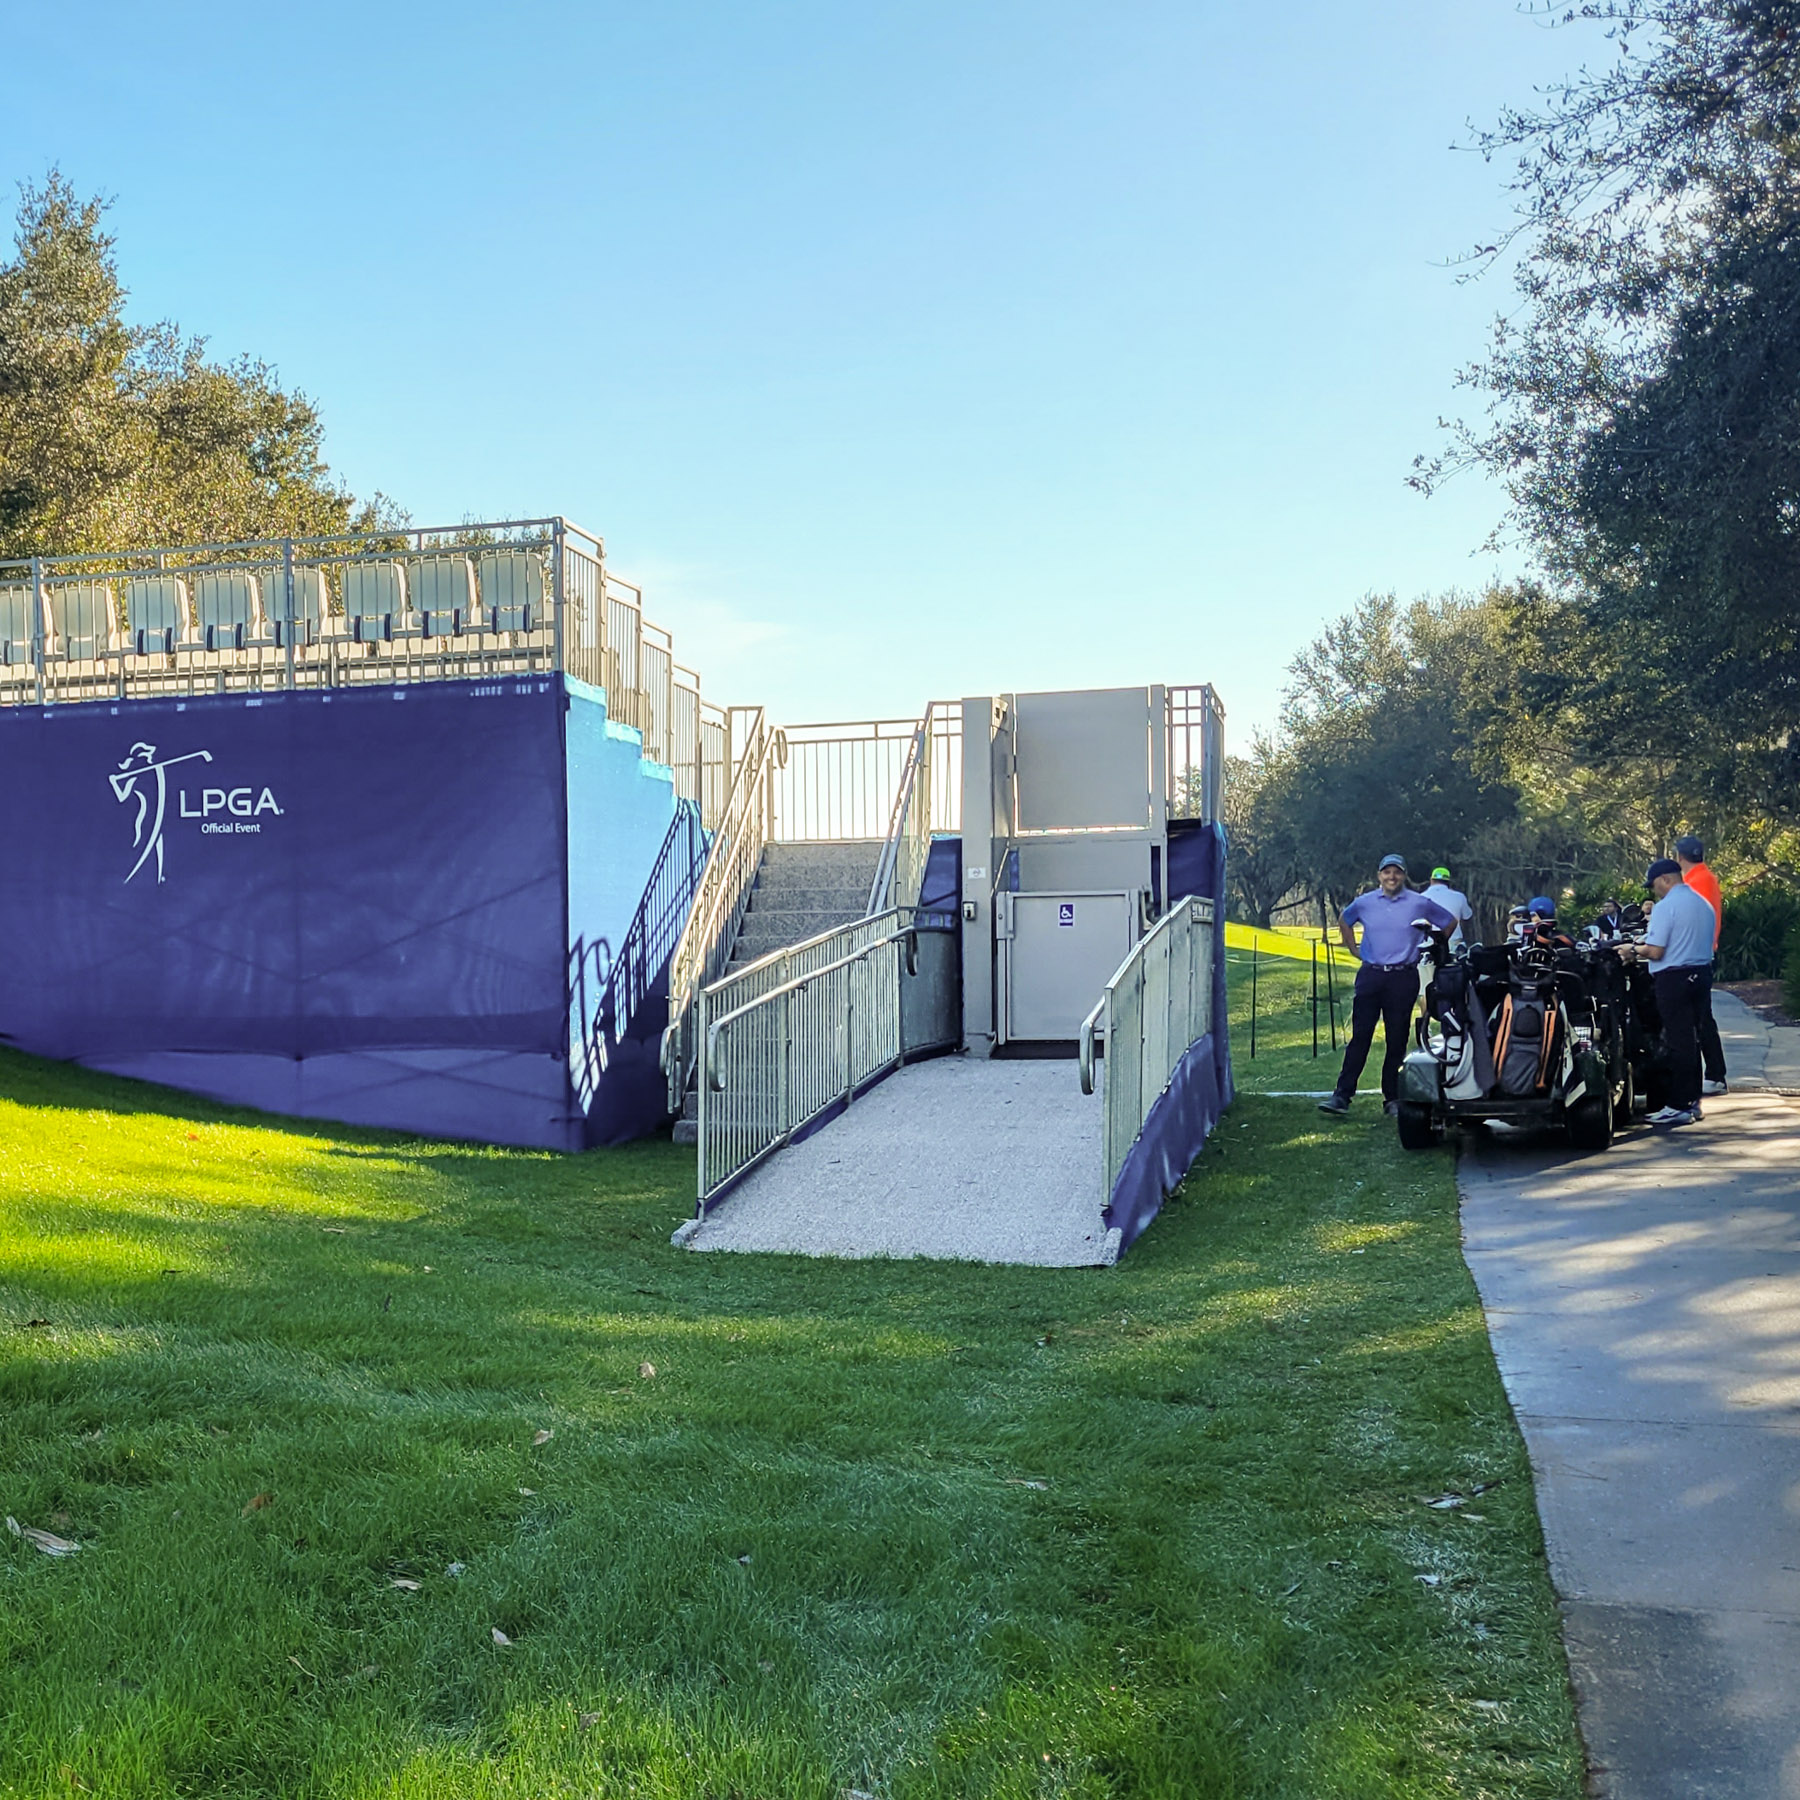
(1684, 998)
(1387, 995)
(1712, 1052)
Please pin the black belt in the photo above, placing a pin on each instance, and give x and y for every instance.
(1389, 968)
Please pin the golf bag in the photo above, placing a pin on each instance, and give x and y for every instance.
(1468, 1057)
(1525, 1038)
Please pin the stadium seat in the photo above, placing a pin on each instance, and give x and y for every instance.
(157, 616)
(512, 589)
(20, 630)
(375, 601)
(442, 592)
(84, 620)
(228, 608)
(311, 609)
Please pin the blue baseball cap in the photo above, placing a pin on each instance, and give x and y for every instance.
(1393, 860)
(1543, 907)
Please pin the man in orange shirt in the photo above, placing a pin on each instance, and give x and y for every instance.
(1691, 854)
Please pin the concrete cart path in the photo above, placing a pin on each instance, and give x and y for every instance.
(1644, 1308)
(960, 1158)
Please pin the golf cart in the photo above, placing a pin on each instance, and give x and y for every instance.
(1535, 1031)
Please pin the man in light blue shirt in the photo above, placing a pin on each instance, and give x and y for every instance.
(1387, 984)
(1679, 945)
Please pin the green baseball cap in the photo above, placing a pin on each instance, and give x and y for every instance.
(1440, 874)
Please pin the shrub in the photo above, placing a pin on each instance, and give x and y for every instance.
(1790, 976)
(1759, 925)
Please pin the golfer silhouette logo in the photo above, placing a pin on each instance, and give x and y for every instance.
(142, 778)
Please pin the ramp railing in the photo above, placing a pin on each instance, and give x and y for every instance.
(787, 1038)
(1156, 1007)
(712, 923)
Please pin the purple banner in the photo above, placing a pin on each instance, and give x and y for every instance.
(287, 875)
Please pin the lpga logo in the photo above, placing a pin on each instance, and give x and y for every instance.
(143, 778)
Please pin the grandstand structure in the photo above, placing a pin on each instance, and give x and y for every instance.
(427, 828)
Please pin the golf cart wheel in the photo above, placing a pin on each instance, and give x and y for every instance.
(1625, 1101)
(1590, 1122)
(1417, 1129)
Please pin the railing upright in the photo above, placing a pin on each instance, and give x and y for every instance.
(719, 903)
(1157, 1006)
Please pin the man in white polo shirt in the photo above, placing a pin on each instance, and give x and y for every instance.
(1679, 946)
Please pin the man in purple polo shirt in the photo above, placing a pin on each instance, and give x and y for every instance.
(1387, 984)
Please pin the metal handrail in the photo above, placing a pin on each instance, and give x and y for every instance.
(706, 939)
(1157, 1005)
(799, 1046)
(881, 889)
(907, 935)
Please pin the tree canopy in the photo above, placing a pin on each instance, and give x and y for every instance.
(114, 435)
(1643, 406)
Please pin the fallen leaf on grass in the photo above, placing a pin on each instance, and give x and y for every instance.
(1286, 1592)
(336, 1230)
(304, 1670)
(529, 1493)
(46, 1541)
(1443, 1502)
(406, 1582)
(1430, 1580)
(745, 1559)
(541, 1437)
(587, 1721)
(456, 1569)
(647, 1371)
(1043, 1487)
(1474, 1518)
(501, 1638)
(255, 1503)
(1488, 1706)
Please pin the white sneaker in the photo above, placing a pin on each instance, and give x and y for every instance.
(1709, 1088)
(1670, 1115)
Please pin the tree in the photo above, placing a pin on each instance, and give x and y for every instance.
(114, 436)
(1263, 864)
(1644, 409)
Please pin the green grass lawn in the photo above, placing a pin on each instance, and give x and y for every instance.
(913, 1529)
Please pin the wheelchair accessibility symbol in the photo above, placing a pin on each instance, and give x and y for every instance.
(1065, 913)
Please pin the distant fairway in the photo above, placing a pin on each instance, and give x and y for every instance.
(913, 1529)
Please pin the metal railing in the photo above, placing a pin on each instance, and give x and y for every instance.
(606, 989)
(792, 1035)
(840, 780)
(712, 923)
(1196, 755)
(419, 603)
(900, 873)
(1156, 1007)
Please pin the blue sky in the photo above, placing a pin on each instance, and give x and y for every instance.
(901, 351)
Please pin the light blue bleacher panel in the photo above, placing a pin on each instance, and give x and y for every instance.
(442, 592)
(512, 589)
(157, 617)
(19, 630)
(375, 600)
(84, 620)
(228, 608)
(310, 607)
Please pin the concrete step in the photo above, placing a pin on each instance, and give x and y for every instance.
(845, 863)
(847, 896)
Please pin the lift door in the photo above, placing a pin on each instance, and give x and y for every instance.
(1057, 952)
